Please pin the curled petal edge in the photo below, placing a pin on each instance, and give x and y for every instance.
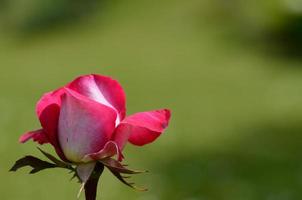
(110, 149)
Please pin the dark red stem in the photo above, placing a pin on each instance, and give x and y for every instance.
(92, 183)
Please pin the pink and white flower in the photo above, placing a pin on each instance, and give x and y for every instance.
(85, 121)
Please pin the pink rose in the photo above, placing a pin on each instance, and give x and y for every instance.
(86, 121)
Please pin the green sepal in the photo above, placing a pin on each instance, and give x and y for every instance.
(117, 169)
(58, 162)
(34, 162)
(38, 164)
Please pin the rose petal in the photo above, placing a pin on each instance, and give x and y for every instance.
(122, 134)
(109, 150)
(84, 125)
(103, 90)
(53, 97)
(37, 136)
(48, 111)
(142, 128)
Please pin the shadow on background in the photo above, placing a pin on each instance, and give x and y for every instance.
(287, 37)
(271, 26)
(40, 16)
(265, 165)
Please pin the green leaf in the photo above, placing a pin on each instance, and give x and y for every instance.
(34, 162)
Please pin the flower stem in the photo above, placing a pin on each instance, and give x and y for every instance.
(92, 183)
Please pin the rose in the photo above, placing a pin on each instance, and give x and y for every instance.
(85, 122)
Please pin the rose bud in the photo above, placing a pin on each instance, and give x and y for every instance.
(85, 121)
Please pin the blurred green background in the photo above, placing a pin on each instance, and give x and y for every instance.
(230, 70)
